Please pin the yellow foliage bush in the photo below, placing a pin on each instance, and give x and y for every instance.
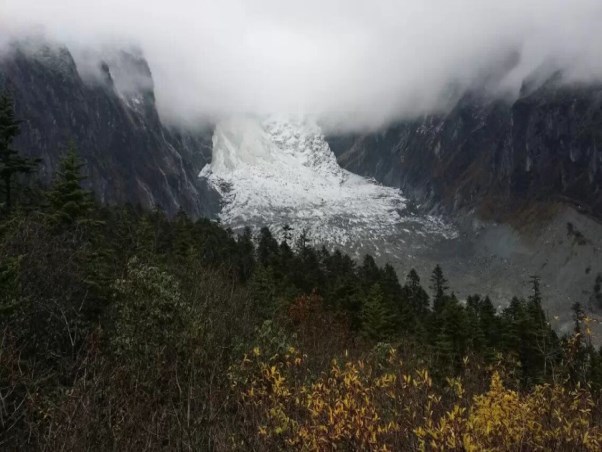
(363, 405)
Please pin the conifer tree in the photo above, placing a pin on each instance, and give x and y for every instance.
(264, 291)
(267, 250)
(184, 246)
(490, 326)
(69, 202)
(246, 254)
(11, 163)
(439, 287)
(416, 295)
(369, 272)
(378, 320)
(404, 314)
(473, 317)
(452, 335)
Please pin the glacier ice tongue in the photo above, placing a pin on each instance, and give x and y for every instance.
(279, 171)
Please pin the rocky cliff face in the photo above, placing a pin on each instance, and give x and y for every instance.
(492, 155)
(130, 155)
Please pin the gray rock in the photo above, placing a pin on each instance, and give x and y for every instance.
(130, 155)
(490, 154)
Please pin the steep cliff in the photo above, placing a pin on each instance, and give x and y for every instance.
(492, 155)
(130, 155)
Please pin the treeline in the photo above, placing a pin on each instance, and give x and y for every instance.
(125, 329)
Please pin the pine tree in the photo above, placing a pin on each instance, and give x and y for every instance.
(452, 336)
(404, 314)
(246, 255)
(264, 291)
(439, 287)
(369, 273)
(267, 250)
(11, 163)
(311, 276)
(69, 202)
(416, 295)
(377, 318)
(475, 327)
(490, 325)
(183, 245)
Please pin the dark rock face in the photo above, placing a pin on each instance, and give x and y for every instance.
(130, 156)
(492, 155)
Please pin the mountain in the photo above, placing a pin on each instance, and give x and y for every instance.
(522, 182)
(492, 191)
(131, 156)
(492, 155)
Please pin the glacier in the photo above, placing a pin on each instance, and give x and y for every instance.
(278, 171)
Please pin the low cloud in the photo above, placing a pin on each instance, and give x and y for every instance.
(354, 62)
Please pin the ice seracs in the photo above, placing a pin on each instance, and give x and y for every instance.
(279, 171)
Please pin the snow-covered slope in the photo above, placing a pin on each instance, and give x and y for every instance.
(280, 171)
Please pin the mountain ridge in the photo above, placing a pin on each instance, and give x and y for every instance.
(492, 155)
(131, 156)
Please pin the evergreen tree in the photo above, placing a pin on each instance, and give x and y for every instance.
(440, 299)
(11, 163)
(69, 202)
(264, 291)
(378, 320)
(369, 273)
(451, 337)
(416, 295)
(404, 314)
(183, 244)
(246, 251)
(544, 338)
(527, 333)
(267, 250)
(475, 328)
(439, 287)
(310, 276)
(512, 321)
(490, 326)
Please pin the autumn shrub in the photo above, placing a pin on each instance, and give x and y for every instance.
(371, 404)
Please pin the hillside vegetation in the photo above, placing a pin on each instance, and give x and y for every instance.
(123, 329)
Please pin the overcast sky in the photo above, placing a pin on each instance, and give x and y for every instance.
(363, 62)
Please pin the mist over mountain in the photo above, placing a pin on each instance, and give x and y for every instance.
(285, 225)
(354, 64)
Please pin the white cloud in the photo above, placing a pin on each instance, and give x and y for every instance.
(360, 61)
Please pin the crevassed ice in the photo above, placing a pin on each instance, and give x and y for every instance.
(279, 171)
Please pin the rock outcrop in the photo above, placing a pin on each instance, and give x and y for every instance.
(130, 155)
(492, 155)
